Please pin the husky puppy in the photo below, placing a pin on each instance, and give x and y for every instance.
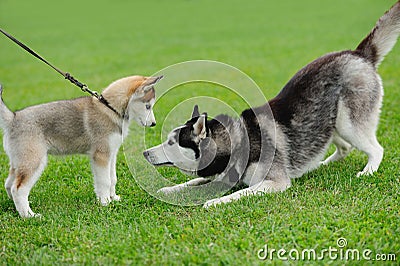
(334, 99)
(83, 125)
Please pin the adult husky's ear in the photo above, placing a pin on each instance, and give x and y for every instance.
(200, 127)
(146, 86)
(195, 112)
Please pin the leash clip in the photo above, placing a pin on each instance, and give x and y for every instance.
(85, 88)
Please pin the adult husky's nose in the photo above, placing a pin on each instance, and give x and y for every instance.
(153, 124)
(147, 155)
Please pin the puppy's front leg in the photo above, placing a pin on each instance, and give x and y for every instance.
(113, 175)
(101, 168)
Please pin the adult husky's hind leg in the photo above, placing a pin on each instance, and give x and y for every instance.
(361, 135)
(369, 144)
(343, 148)
(364, 104)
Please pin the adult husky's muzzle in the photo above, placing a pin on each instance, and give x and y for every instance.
(151, 155)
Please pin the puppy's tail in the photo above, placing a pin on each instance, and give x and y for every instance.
(6, 116)
(383, 36)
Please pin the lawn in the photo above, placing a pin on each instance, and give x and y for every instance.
(100, 41)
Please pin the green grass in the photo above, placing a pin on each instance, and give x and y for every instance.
(268, 40)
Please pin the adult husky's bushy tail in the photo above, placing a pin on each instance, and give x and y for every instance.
(383, 36)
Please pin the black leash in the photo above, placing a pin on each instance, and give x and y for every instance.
(66, 75)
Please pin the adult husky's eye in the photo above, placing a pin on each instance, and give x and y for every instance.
(148, 106)
(171, 142)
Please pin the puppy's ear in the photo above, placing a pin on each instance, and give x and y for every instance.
(146, 86)
(195, 112)
(149, 83)
(200, 127)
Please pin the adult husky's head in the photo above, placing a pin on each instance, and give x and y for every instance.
(187, 147)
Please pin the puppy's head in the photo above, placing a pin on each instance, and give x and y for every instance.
(133, 97)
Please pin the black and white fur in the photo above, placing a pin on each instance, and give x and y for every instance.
(334, 99)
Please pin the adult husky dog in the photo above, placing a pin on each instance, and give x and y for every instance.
(83, 125)
(334, 99)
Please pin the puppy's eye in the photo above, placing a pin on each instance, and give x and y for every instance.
(171, 142)
(148, 106)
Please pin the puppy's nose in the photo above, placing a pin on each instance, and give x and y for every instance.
(153, 124)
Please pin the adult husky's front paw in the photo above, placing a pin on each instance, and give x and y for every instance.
(214, 202)
(165, 190)
(169, 190)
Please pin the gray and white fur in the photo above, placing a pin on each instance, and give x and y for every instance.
(334, 99)
(83, 125)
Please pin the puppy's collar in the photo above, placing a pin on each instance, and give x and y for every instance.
(106, 103)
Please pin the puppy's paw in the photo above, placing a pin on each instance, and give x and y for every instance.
(104, 201)
(31, 215)
(115, 198)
